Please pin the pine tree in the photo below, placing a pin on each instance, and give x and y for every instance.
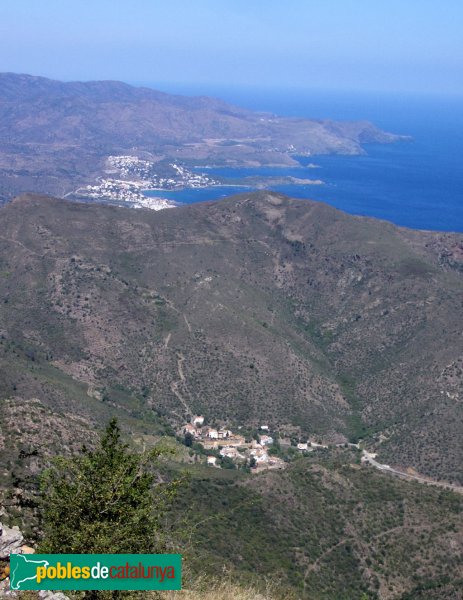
(104, 501)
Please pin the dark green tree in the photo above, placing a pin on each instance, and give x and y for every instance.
(105, 501)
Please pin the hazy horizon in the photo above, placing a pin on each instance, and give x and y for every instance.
(344, 45)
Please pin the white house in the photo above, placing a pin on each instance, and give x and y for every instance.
(266, 440)
(264, 427)
(211, 460)
(213, 434)
(302, 446)
(231, 453)
(260, 456)
(224, 433)
(188, 428)
(198, 420)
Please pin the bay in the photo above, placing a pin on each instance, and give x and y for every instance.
(416, 184)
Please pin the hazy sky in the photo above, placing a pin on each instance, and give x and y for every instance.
(412, 45)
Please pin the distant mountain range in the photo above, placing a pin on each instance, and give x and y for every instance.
(55, 136)
(257, 308)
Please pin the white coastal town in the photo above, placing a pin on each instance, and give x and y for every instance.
(129, 177)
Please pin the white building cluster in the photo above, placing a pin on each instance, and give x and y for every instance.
(130, 176)
(232, 445)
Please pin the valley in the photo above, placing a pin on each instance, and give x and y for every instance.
(253, 309)
(231, 301)
(301, 365)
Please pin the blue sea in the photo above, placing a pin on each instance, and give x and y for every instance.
(416, 184)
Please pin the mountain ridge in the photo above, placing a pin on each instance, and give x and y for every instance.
(56, 137)
(255, 308)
